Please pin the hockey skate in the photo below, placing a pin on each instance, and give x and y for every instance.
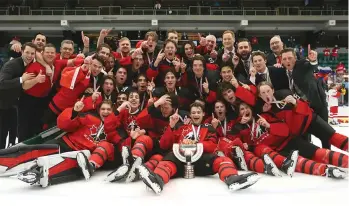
(269, 166)
(87, 168)
(289, 164)
(36, 175)
(336, 173)
(127, 172)
(237, 155)
(152, 180)
(238, 182)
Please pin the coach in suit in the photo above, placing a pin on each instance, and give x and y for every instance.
(301, 81)
(276, 76)
(11, 78)
(276, 46)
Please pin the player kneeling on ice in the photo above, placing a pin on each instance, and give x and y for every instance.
(85, 134)
(208, 164)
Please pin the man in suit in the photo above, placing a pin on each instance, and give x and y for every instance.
(276, 46)
(277, 77)
(244, 50)
(12, 77)
(302, 82)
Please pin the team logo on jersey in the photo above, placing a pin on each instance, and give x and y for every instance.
(211, 60)
(132, 126)
(97, 133)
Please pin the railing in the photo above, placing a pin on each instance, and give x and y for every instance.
(192, 10)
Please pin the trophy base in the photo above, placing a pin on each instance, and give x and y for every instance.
(189, 171)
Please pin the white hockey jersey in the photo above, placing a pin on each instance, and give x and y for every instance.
(333, 95)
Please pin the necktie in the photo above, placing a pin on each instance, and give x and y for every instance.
(264, 77)
(247, 66)
(290, 80)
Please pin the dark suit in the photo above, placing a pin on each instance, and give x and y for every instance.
(277, 76)
(303, 78)
(10, 90)
(271, 59)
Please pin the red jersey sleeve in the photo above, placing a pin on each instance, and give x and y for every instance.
(65, 121)
(245, 95)
(168, 139)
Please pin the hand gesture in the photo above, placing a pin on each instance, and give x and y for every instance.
(235, 60)
(290, 99)
(150, 101)
(95, 95)
(150, 86)
(312, 55)
(79, 105)
(186, 120)
(144, 45)
(225, 57)
(124, 105)
(203, 41)
(104, 33)
(234, 82)
(40, 78)
(261, 121)
(164, 99)
(266, 107)
(111, 73)
(16, 47)
(177, 64)
(183, 66)
(81, 56)
(27, 76)
(160, 56)
(136, 53)
(244, 119)
(214, 122)
(89, 90)
(278, 65)
(49, 71)
(174, 119)
(205, 86)
(213, 54)
(85, 39)
(136, 133)
(253, 72)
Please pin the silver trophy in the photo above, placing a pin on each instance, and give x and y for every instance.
(188, 154)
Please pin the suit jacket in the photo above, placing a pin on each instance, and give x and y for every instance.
(277, 76)
(10, 86)
(303, 77)
(271, 59)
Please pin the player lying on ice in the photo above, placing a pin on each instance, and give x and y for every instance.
(208, 164)
(231, 146)
(267, 134)
(71, 158)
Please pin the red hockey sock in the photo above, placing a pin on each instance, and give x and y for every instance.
(103, 152)
(310, 167)
(142, 145)
(254, 163)
(331, 157)
(166, 170)
(153, 161)
(340, 141)
(275, 156)
(225, 167)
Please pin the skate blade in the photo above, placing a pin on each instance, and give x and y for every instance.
(82, 164)
(240, 154)
(251, 180)
(276, 172)
(124, 154)
(292, 169)
(121, 171)
(144, 173)
(132, 174)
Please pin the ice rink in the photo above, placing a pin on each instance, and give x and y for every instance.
(300, 190)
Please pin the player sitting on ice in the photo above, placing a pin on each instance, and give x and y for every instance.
(208, 164)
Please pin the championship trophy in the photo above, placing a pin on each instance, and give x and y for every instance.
(188, 153)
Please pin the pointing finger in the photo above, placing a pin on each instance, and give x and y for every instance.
(97, 88)
(82, 98)
(309, 48)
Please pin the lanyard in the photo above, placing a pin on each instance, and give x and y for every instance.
(107, 97)
(255, 130)
(196, 132)
(149, 62)
(224, 126)
(279, 104)
(95, 79)
(142, 105)
(132, 113)
(199, 86)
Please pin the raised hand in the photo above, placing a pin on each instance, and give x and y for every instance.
(245, 119)
(151, 86)
(85, 39)
(263, 122)
(205, 86)
(253, 72)
(266, 107)
(214, 121)
(79, 105)
(164, 99)
(290, 99)
(225, 57)
(235, 60)
(104, 33)
(183, 66)
(312, 55)
(245, 86)
(96, 94)
(203, 41)
(213, 54)
(234, 82)
(174, 119)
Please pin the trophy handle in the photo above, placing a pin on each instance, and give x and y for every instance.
(175, 149)
(199, 151)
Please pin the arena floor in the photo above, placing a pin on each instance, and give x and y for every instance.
(300, 190)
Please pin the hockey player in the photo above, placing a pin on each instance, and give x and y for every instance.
(269, 131)
(84, 132)
(193, 133)
(299, 117)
